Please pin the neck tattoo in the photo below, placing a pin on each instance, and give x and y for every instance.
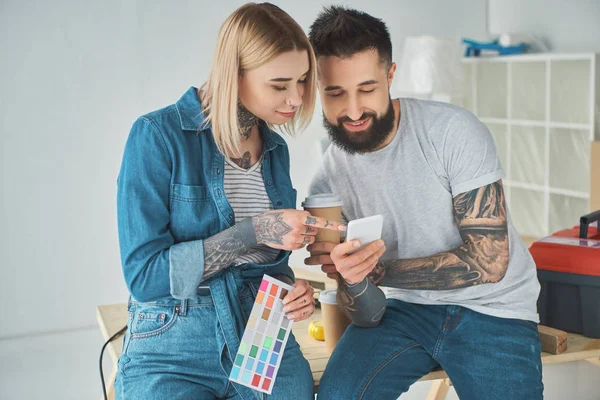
(245, 161)
(246, 120)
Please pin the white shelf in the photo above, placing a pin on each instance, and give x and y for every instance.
(552, 190)
(531, 57)
(547, 166)
(541, 110)
(525, 122)
(567, 125)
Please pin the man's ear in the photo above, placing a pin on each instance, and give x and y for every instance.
(391, 73)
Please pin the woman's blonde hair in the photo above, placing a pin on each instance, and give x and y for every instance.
(250, 37)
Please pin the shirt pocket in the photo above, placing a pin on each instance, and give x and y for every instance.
(194, 213)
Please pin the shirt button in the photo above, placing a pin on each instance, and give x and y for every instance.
(269, 182)
(219, 192)
(218, 171)
(279, 203)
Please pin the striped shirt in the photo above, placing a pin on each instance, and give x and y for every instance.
(245, 191)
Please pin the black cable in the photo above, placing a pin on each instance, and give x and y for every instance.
(102, 354)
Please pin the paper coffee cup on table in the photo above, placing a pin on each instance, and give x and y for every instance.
(335, 321)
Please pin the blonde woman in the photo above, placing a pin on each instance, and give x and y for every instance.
(206, 207)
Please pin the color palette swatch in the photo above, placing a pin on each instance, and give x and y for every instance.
(267, 331)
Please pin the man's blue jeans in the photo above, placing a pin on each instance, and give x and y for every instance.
(485, 357)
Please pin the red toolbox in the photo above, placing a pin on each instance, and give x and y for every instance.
(568, 268)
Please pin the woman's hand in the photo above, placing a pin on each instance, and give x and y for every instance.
(299, 304)
(290, 229)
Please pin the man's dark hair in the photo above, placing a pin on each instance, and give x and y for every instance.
(342, 32)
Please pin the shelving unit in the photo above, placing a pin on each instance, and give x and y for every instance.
(542, 110)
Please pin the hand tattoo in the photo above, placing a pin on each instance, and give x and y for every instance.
(244, 162)
(483, 258)
(270, 228)
(310, 220)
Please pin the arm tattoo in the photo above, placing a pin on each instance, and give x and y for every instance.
(244, 162)
(223, 248)
(364, 303)
(270, 228)
(483, 258)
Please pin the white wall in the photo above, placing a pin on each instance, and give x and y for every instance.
(565, 26)
(74, 76)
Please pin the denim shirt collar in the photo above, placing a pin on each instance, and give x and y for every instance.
(191, 118)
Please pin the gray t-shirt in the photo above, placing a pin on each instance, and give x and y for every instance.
(439, 151)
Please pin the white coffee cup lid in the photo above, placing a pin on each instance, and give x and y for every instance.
(321, 201)
(328, 296)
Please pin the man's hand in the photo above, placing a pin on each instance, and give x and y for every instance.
(320, 255)
(355, 267)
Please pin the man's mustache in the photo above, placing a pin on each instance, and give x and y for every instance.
(346, 118)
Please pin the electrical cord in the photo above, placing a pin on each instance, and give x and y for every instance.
(113, 337)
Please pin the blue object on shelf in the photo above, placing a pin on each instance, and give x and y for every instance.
(474, 48)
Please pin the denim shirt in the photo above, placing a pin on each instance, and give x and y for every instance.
(171, 196)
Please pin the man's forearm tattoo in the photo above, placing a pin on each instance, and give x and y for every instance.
(483, 258)
(364, 303)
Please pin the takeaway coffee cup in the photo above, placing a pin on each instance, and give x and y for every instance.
(335, 321)
(326, 206)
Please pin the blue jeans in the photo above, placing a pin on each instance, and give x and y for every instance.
(175, 351)
(485, 357)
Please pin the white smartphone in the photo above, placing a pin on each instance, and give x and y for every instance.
(366, 230)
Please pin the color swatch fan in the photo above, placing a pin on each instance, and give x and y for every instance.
(261, 349)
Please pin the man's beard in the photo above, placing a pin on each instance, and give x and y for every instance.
(364, 141)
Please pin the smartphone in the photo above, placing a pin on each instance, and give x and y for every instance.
(366, 230)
